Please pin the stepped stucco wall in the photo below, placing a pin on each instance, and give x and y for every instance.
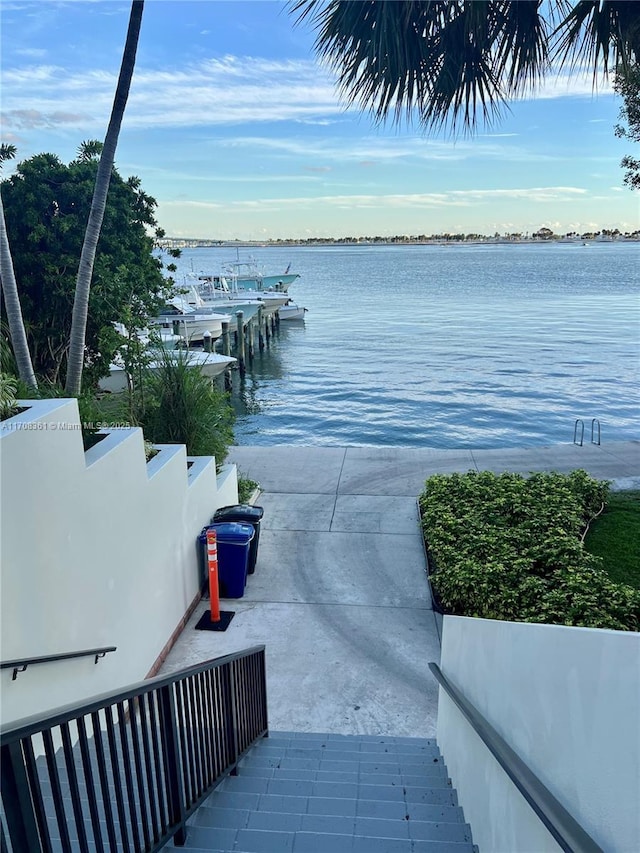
(97, 549)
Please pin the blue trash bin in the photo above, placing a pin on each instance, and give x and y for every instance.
(234, 541)
(246, 514)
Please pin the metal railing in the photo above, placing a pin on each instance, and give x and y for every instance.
(578, 432)
(125, 770)
(21, 664)
(579, 425)
(571, 837)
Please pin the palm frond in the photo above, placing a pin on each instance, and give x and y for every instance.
(603, 34)
(520, 44)
(444, 61)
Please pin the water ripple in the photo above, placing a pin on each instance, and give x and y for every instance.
(481, 346)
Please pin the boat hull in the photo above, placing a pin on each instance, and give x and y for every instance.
(260, 283)
(192, 329)
(211, 364)
(292, 312)
(279, 283)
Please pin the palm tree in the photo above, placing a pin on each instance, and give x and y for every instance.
(448, 62)
(98, 204)
(10, 292)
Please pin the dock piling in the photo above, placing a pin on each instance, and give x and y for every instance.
(240, 346)
(226, 349)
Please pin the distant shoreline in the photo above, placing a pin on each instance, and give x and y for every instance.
(188, 243)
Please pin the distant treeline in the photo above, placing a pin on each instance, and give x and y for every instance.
(542, 235)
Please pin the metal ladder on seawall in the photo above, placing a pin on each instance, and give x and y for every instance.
(579, 426)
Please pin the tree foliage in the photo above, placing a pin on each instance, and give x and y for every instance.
(46, 208)
(627, 85)
(454, 61)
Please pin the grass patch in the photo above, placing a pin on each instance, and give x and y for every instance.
(246, 487)
(615, 537)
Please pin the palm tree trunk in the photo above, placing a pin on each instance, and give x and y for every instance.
(14, 312)
(98, 205)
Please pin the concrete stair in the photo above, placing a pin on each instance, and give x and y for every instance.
(318, 793)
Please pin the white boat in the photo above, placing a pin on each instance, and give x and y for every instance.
(291, 311)
(247, 275)
(183, 319)
(205, 297)
(210, 363)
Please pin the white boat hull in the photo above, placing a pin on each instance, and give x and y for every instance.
(292, 312)
(211, 364)
(279, 283)
(222, 300)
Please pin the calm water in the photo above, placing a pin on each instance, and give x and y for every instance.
(428, 346)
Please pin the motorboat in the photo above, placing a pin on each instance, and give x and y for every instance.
(181, 318)
(158, 342)
(291, 311)
(205, 297)
(211, 364)
(229, 311)
(247, 275)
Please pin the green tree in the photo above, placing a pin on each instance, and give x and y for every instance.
(627, 85)
(9, 288)
(46, 206)
(98, 205)
(446, 62)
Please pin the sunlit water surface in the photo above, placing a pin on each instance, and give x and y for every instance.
(445, 346)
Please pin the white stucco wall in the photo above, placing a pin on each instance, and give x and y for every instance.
(567, 700)
(97, 549)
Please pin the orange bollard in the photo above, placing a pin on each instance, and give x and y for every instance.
(214, 619)
(212, 559)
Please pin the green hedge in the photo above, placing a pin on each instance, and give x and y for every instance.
(510, 547)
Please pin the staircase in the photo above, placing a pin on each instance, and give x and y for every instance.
(185, 757)
(316, 793)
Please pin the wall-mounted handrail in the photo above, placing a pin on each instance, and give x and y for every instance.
(571, 837)
(145, 757)
(20, 664)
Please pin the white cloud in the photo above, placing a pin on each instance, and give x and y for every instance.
(223, 90)
(201, 177)
(370, 150)
(564, 84)
(400, 201)
(32, 52)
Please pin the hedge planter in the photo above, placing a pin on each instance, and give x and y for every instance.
(510, 547)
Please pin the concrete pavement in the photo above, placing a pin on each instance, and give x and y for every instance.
(339, 596)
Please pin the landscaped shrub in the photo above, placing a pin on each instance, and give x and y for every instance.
(510, 547)
(8, 391)
(180, 405)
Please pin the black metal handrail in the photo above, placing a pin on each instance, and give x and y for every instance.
(571, 837)
(126, 769)
(21, 664)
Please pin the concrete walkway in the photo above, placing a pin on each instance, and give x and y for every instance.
(339, 596)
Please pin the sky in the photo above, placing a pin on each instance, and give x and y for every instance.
(238, 132)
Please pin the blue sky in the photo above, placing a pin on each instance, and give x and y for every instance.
(239, 134)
